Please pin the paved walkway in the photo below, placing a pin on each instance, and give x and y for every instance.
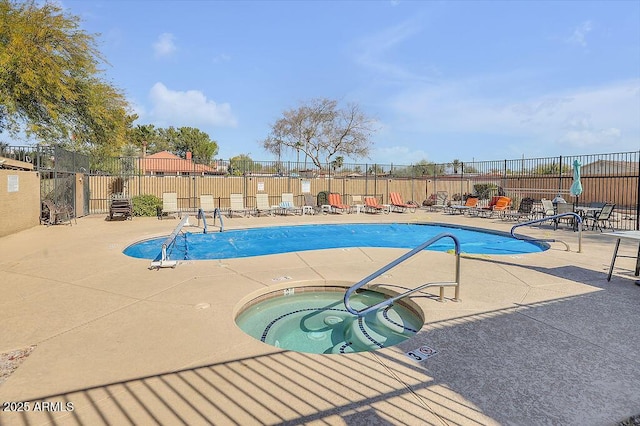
(537, 339)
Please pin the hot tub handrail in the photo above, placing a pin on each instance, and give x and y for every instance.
(395, 263)
(554, 217)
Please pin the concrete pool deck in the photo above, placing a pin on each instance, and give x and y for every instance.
(537, 339)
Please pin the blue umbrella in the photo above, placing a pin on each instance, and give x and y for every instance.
(576, 187)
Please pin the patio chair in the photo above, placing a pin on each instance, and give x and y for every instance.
(498, 205)
(262, 205)
(310, 204)
(489, 207)
(398, 205)
(602, 218)
(237, 205)
(371, 205)
(207, 204)
(569, 219)
(470, 203)
(357, 203)
(547, 209)
(441, 199)
(524, 211)
(170, 205)
(335, 201)
(288, 206)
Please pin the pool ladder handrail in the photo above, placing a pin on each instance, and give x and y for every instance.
(216, 213)
(164, 262)
(554, 217)
(395, 263)
(202, 216)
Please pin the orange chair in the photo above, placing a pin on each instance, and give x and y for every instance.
(489, 208)
(502, 205)
(371, 205)
(470, 204)
(335, 200)
(398, 205)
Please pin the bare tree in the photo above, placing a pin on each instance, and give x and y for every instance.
(321, 130)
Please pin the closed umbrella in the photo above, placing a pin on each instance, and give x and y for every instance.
(576, 187)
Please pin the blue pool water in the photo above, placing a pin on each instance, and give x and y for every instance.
(318, 322)
(285, 239)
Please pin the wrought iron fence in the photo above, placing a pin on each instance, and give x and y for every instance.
(612, 178)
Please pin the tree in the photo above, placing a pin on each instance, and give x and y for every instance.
(455, 164)
(240, 165)
(427, 168)
(197, 142)
(321, 130)
(337, 163)
(50, 85)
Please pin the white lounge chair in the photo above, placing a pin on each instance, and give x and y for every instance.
(170, 204)
(237, 205)
(262, 205)
(207, 204)
(287, 205)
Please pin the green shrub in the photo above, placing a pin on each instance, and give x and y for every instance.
(484, 190)
(146, 205)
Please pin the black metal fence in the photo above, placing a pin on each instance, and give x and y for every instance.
(59, 171)
(612, 178)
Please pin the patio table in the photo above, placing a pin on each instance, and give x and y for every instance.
(624, 235)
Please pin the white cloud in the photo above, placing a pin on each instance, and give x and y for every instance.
(372, 50)
(190, 108)
(223, 57)
(164, 46)
(579, 35)
(604, 117)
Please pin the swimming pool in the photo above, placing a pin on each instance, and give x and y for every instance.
(286, 239)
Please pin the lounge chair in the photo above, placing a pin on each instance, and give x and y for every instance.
(57, 213)
(603, 217)
(287, 205)
(524, 211)
(398, 205)
(500, 207)
(441, 199)
(489, 207)
(470, 203)
(207, 204)
(170, 204)
(237, 205)
(262, 205)
(335, 201)
(310, 204)
(357, 203)
(371, 205)
(546, 210)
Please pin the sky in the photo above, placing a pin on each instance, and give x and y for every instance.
(443, 80)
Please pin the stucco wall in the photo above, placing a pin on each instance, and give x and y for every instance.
(19, 201)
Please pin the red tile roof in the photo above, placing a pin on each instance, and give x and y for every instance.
(166, 162)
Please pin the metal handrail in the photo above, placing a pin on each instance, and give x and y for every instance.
(554, 217)
(164, 262)
(204, 220)
(395, 263)
(218, 214)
